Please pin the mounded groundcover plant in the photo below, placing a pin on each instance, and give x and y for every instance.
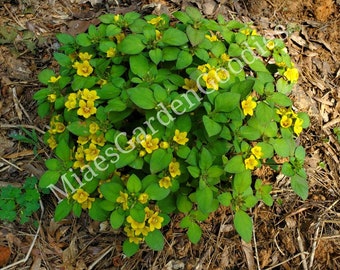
(152, 116)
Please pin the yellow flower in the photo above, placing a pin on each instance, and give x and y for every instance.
(102, 82)
(85, 56)
(174, 169)
(83, 69)
(204, 68)
(254, 32)
(190, 84)
(138, 227)
(142, 153)
(59, 127)
(257, 151)
(292, 74)
(89, 94)
(86, 108)
(54, 79)
(225, 57)
(93, 128)
(155, 222)
(83, 140)
(51, 97)
(71, 102)
(211, 38)
(158, 35)
(248, 106)
(270, 45)
(92, 152)
(180, 137)
(80, 158)
(211, 79)
(222, 74)
(148, 212)
(99, 140)
(286, 121)
(80, 196)
(247, 32)
(164, 145)
(143, 198)
(131, 235)
(251, 162)
(88, 203)
(281, 64)
(116, 17)
(155, 21)
(150, 144)
(52, 143)
(165, 182)
(111, 52)
(298, 126)
(123, 199)
(119, 37)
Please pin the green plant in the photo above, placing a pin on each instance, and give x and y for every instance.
(31, 138)
(19, 203)
(336, 131)
(150, 119)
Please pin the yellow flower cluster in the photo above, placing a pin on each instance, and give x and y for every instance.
(136, 231)
(83, 198)
(213, 76)
(292, 74)
(253, 160)
(157, 21)
(248, 106)
(190, 84)
(54, 79)
(290, 118)
(56, 125)
(211, 38)
(83, 68)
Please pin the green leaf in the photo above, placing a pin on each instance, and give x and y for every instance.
(155, 240)
(204, 199)
(134, 184)
(125, 159)
(79, 128)
(45, 75)
(65, 38)
(267, 149)
(183, 17)
(257, 65)
(183, 203)
(242, 181)
(211, 127)
(194, 233)
(283, 86)
(49, 178)
(193, 13)
(194, 171)
(243, 87)
(226, 102)
(62, 59)
(117, 219)
(83, 40)
(137, 213)
(139, 65)
(112, 30)
(195, 36)
(235, 165)
(111, 191)
(53, 164)
(287, 169)
(170, 53)
(225, 198)
(300, 153)
(156, 192)
(250, 133)
(160, 159)
(132, 44)
(156, 55)
(280, 99)
(205, 160)
(243, 225)
(143, 97)
(107, 18)
(130, 248)
(108, 91)
(215, 171)
(96, 212)
(63, 151)
(300, 186)
(283, 147)
(62, 210)
(184, 60)
(115, 105)
(44, 109)
(234, 50)
(175, 37)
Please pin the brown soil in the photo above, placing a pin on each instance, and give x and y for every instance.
(292, 234)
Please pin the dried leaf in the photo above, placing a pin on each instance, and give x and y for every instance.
(5, 254)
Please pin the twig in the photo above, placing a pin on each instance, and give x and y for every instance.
(256, 251)
(10, 163)
(99, 259)
(303, 257)
(32, 245)
(247, 249)
(276, 265)
(17, 102)
(22, 126)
